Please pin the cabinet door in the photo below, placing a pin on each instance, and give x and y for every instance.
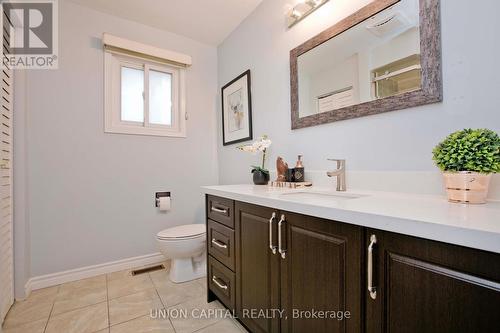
(257, 268)
(427, 286)
(321, 271)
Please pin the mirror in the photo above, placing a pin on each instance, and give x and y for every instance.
(374, 61)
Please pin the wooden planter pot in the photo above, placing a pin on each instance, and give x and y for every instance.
(467, 187)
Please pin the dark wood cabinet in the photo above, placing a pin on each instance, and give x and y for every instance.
(257, 268)
(221, 278)
(221, 243)
(316, 267)
(428, 286)
(322, 272)
(286, 267)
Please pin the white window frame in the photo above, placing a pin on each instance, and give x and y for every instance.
(113, 62)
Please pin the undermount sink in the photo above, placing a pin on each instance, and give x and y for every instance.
(308, 196)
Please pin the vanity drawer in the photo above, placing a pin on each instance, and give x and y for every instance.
(221, 243)
(221, 210)
(221, 281)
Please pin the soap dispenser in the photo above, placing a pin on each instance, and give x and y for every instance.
(299, 170)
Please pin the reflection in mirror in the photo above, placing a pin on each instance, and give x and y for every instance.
(377, 58)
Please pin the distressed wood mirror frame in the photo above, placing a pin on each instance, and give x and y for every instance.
(430, 50)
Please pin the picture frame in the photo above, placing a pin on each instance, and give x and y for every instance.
(237, 110)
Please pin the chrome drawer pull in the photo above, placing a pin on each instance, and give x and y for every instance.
(271, 245)
(218, 210)
(219, 244)
(280, 248)
(220, 285)
(371, 288)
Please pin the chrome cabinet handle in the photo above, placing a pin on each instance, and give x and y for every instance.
(271, 245)
(280, 248)
(371, 288)
(220, 285)
(218, 210)
(219, 244)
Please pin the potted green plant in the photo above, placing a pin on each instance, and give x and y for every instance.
(468, 158)
(260, 173)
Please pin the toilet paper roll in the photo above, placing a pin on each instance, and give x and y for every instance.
(164, 204)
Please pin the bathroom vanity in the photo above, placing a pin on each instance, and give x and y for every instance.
(384, 262)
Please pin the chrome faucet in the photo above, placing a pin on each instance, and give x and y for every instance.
(339, 173)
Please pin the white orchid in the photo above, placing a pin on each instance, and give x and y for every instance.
(248, 148)
(261, 145)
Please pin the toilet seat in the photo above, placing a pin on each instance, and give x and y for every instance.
(188, 231)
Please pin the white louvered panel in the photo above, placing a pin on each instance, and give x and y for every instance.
(6, 210)
(6, 226)
(5, 181)
(4, 193)
(5, 128)
(4, 172)
(5, 232)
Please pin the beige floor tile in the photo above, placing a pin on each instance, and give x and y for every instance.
(203, 282)
(79, 294)
(191, 324)
(28, 311)
(119, 275)
(144, 324)
(175, 293)
(159, 278)
(129, 285)
(222, 326)
(86, 320)
(45, 294)
(243, 329)
(34, 327)
(133, 306)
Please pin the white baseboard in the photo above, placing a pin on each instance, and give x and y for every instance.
(54, 279)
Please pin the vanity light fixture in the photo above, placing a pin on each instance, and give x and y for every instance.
(301, 10)
(315, 3)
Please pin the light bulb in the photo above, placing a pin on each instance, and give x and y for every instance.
(296, 13)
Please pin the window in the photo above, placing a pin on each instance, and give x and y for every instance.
(397, 77)
(143, 96)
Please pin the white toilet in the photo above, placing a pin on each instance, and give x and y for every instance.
(185, 246)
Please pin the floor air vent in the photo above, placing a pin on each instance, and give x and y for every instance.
(147, 269)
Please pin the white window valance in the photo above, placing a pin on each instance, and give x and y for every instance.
(121, 45)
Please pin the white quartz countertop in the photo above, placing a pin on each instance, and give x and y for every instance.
(426, 216)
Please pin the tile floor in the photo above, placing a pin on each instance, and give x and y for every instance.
(117, 303)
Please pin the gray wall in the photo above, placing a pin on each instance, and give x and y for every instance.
(91, 194)
(395, 141)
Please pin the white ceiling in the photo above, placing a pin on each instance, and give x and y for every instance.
(207, 21)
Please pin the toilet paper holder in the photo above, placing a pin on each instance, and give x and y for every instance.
(159, 195)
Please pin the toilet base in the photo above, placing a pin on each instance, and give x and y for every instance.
(187, 269)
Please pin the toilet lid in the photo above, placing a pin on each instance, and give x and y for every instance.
(182, 231)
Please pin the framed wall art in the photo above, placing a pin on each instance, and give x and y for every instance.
(237, 110)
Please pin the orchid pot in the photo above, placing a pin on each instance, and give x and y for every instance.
(260, 177)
